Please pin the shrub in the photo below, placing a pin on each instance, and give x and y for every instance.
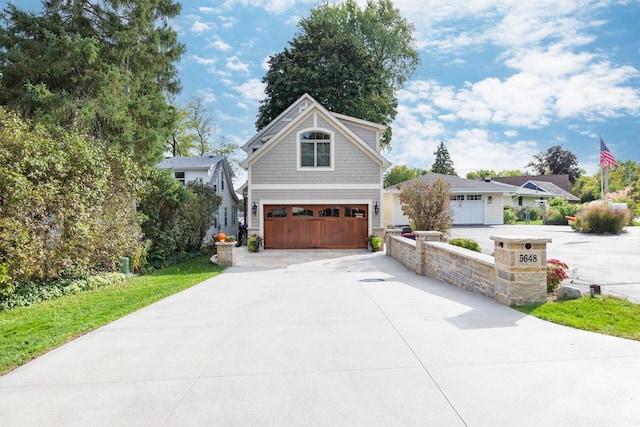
(428, 205)
(634, 208)
(509, 216)
(175, 217)
(534, 213)
(558, 210)
(374, 241)
(556, 273)
(254, 243)
(33, 292)
(66, 204)
(470, 244)
(597, 218)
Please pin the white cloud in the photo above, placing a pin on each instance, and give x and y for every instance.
(474, 149)
(211, 10)
(220, 45)
(207, 96)
(252, 90)
(234, 64)
(274, 7)
(265, 63)
(511, 133)
(204, 61)
(199, 27)
(228, 21)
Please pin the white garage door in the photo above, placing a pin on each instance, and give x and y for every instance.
(467, 209)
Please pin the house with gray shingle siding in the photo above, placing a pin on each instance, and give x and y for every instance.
(314, 179)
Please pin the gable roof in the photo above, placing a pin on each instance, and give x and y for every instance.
(560, 180)
(201, 163)
(190, 162)
(269, 130)
(303, 114)
(458, 185)
(550, 188)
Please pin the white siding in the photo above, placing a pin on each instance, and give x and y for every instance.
(493, 210)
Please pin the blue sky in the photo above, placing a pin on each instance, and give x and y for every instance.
(500, 80)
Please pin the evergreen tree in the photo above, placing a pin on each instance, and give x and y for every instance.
(443, 163)
(101, 67)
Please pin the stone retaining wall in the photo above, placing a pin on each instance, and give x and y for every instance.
(460, 267)
(517, 278)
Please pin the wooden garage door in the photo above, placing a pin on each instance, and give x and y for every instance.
(315, 226)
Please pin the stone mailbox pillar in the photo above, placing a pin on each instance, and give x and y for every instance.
(226, 253)
(521, 269)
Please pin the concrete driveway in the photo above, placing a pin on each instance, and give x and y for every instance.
(328, 339)
(612, 261)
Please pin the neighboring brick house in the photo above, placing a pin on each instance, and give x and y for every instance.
(215, 171)
(314, 179)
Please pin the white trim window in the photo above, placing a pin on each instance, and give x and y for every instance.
(180, 176)
(315, 150)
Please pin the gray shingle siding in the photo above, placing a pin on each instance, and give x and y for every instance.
(278, 166)
(367, 135)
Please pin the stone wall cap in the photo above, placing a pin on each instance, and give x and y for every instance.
(226, 243)
(428, 233)
(468, 253)
(521, 239)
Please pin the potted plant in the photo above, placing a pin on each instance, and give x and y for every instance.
(374, 243)
(254, 243)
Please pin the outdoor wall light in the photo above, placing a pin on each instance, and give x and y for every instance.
(376, 208)
(490, 199)
(254, 208)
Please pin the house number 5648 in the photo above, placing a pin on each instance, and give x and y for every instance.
(527, 258)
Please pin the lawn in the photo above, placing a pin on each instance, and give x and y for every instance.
(536, 222)
(605, 315)
(27, 332)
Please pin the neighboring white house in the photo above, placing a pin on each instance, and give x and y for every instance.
(215, 171)
(472, 201)
(314, 179)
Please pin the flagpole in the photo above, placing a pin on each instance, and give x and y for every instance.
(601, 175)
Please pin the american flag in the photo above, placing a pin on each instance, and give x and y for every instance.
(606, 158)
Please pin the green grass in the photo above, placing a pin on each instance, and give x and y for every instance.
(27, 332)
(605, 315)
(536, 222)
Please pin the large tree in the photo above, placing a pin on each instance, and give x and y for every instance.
(401, 173)
(443, 163)
(102, 67)
(556, 161)
(350, 59)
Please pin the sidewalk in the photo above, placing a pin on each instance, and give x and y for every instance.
(304, 340)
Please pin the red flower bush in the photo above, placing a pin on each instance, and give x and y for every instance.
(556, 273)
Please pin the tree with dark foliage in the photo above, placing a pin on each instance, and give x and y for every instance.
(556, 161)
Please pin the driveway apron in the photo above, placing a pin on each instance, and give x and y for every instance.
(327, 338)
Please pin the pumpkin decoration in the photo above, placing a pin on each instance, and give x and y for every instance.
(221, 237)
